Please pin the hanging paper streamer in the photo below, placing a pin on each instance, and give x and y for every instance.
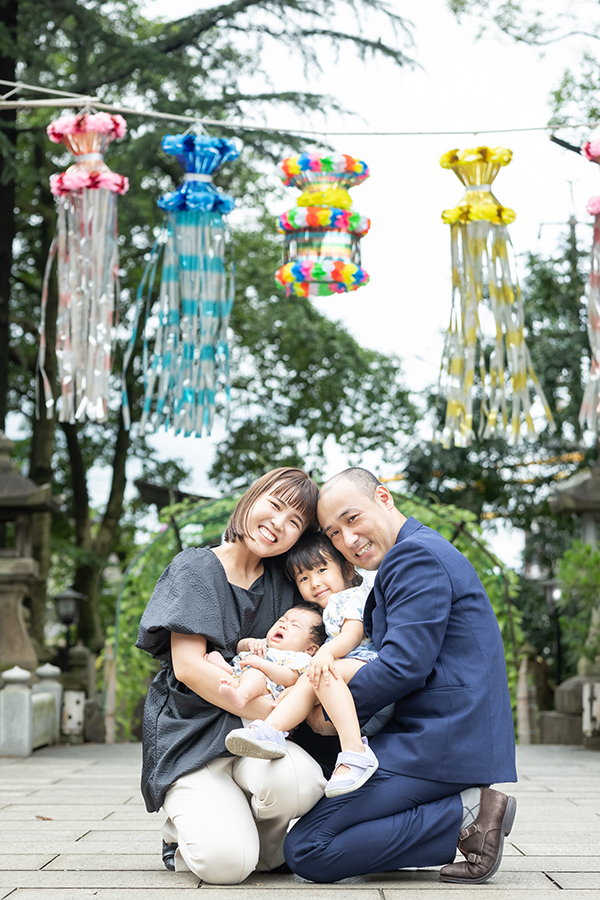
(481, 268)
(86, 248)
(322, 235)
(190, 357)
(589, 414)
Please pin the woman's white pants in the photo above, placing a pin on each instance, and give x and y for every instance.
(231, 816)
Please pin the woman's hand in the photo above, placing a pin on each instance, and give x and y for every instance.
(322, 666)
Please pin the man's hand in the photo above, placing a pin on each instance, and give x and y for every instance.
(322, 666)
(319, 724)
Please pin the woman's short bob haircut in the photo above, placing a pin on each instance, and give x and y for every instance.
(315, 550)
(293, 486)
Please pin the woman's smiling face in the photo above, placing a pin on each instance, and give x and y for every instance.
(273, 525)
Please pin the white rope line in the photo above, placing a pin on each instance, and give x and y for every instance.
(86, 100)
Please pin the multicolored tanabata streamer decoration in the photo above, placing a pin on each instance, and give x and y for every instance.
(86, 244)
(322, 235)
(589, 415)
(191, 351)
(481, 267)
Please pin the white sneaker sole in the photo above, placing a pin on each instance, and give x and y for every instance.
(242, 745)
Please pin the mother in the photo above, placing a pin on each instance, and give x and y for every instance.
(227, 815)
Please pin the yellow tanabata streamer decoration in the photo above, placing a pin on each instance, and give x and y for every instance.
(481, 268)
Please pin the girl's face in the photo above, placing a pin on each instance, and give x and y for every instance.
(317, 585)
(273, 525)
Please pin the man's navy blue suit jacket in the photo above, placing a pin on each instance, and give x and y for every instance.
(441, 661)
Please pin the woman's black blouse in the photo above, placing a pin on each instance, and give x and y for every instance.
(182, 732)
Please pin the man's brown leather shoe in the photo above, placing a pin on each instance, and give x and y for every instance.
(482, 842)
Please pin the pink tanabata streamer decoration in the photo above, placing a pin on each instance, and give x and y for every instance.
(589, 414)
(87, 261)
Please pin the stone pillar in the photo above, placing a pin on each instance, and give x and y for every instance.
(527, 731)
(81, 675)
(49, 682)
(16, 717)
(16, 648)
(591, 715)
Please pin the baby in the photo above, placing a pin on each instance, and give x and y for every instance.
(275, 663)
(323, 576)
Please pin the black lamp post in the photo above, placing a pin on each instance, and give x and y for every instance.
(67, 610)
(553, 598)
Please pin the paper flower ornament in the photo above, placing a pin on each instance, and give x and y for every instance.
(87, 252)
(322, 234)
(483, 274)
(189, 358)
(589, 414)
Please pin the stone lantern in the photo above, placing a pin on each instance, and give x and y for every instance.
(579, 495)
(20, 498)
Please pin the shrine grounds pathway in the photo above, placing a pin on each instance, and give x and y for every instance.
(74, 827)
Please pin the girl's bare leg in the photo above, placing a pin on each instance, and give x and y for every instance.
(334, 696)
(252, 683)
(336, 699)
(294, 707)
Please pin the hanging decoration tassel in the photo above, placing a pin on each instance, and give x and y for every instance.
(87, 253)
(190, 357)
(482, 268)
(322, 235)
(589, 414)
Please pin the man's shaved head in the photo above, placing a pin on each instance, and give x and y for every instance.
(358, 515)
(362, 479)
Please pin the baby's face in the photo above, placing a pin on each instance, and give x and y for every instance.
(318, 584)
(293, 630)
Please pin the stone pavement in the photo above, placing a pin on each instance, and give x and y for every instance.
(74, 826)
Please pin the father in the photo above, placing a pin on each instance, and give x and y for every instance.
(441, 662)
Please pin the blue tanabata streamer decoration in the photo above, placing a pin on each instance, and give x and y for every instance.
(189, 361)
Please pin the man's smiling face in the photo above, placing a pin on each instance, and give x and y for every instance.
(363, 528)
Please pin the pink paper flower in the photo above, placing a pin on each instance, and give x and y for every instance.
(102, 123)
(74, 180)
(99, 123)
(62, 125)
(77, 179)
(591, 150)
(593, 206)
(119, 184)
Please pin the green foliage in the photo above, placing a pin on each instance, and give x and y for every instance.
(497, 481)
(301, 379)
(579, 577)
(204, 524)
(526, 21)
(461, 528)
(200, 65)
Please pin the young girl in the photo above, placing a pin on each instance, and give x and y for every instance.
(324, 577)
(290, 644)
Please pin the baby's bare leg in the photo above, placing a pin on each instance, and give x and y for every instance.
(253, 683)
(215, 657)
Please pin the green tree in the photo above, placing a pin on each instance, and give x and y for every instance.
(500, 482)
(199, 65)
